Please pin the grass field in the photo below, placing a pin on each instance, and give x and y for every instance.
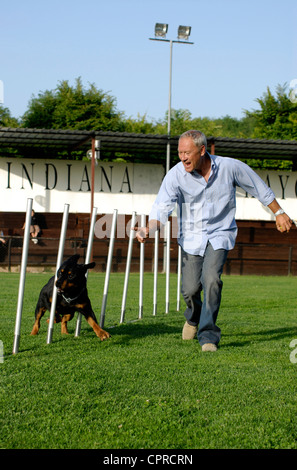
(145, 388)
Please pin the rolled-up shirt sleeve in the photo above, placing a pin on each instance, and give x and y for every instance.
(250, 182)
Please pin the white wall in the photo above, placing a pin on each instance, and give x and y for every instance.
(127, 187)
(52, 183)
(284, 186)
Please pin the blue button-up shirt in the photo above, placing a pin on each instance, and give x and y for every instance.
(206, 210)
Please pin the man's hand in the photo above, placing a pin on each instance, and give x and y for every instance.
(283, 223)
(142, 233)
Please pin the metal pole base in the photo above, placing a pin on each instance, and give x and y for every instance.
(50, 335)
(140, 315)
(16, 344)
(103, 308)
(78, 326)
(122, 315)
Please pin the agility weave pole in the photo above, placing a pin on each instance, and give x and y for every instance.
(87, 260)
(128, 265)
(178, 279)
(108, 267)
(59, 262)
(141, 270)
(17, 331)
(156, 259)
(168, 229)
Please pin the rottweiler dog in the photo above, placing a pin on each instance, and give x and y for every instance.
(72, 296)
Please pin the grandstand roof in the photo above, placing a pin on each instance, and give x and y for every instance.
(56, 140)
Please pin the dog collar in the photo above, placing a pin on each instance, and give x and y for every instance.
(69, 300)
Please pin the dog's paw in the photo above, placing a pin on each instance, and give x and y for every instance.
(35, 330)
(103, 335)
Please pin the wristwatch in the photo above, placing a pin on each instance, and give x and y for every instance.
(279, 212)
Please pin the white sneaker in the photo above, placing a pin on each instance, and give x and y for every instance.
(189, 331)
(209, 347)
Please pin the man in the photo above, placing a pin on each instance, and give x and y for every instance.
(203, 186)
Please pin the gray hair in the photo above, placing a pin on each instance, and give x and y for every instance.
(198, 137)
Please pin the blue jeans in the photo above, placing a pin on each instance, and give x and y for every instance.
(203, 273)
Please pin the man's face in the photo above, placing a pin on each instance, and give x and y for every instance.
(190, 154)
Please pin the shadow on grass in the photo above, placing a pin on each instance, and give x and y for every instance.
(260, 336)
(140, 329)
(128, 332)
(123, 333)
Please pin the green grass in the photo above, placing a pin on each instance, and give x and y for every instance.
(145, 388)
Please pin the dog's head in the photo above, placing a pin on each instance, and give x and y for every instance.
(71, 277)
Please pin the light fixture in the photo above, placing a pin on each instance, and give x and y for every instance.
(161, 30)
(184, 32)
(89, 153)
(160, 35)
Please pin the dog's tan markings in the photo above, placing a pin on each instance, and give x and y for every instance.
(80, 306)
(64, 285)
(65, 319)
(99, 332)
(36, 325)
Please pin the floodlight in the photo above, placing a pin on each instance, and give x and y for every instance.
(184, 32)
(160, 35)
(161, 30)
(89, 153)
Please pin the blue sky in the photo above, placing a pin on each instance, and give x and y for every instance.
(240, 48)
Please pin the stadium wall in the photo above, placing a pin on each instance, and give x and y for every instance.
(126, 187)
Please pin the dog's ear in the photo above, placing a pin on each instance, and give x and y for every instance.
(90, 265)
(69, 262)
(85, 267)
(73, 259)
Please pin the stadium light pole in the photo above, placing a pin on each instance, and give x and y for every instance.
(183, 34)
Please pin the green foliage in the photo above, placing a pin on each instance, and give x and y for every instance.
(140, 125)
(69, 107)
(277, 118)
(267, 164)
(146, 388)
(77, 107)
(182, 120)
(6, 120)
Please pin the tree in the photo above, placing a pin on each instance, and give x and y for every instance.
(5, 118)
(140, 125)
(75, 107)
(226, 126)
(277, 118)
